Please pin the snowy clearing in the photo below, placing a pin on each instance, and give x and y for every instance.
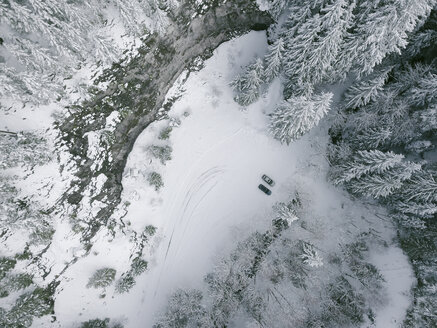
(210, 197)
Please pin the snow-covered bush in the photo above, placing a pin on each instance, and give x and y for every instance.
(101, 278)
(155, 180)
(14, 282)
(125, 283)
(163, 153)
(25, 148)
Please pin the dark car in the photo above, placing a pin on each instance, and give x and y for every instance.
(268, 180)
(264, 189)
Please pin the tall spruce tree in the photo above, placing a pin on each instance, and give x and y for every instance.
(382, 29)
(246, 86)
(297, 115)
(274, 59)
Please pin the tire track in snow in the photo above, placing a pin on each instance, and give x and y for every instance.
(177, 195)
(194, 189)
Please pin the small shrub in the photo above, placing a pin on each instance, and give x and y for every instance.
(150, 230)
(102, 278)
(95, 323)
(155, 180)
(125, 283)
(14, 283)
(6, 264)
(163, 153)
(138, 266)
(165, 133)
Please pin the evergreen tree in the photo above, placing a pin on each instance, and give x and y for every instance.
(246, 86)
(297, 115)
(428, 119)
(382, 185)
(274, 60)
(390, 21)
(312, 52)
(367, 162)
(366, 91)
(426, 90)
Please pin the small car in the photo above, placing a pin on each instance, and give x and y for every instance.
(268, 180)
(264, 189)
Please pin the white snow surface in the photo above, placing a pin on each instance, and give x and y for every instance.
(396, 270)
(210, 198)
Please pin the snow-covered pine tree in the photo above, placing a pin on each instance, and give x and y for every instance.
(297, 115)
(274, 60)
(246, 85)
(391, 21)
(418, 195)
(427, 119)
(365, 91)
(367, 162)
(313, 50)
(383, 185)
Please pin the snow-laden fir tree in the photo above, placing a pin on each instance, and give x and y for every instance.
(425, 92)
(418, 195)
(310, 256)
(297, 115)
(365, 91)
(367, 162)
(274, 60)
(382, 185)
(382, 29)
(247, 85)
(313, 49)
(427, 119)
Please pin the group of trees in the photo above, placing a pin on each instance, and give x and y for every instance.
(383, 148)
(270, 279)
(44, 42)
(384, 138)
(322, 42)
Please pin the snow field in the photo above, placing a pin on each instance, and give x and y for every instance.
(210, 199)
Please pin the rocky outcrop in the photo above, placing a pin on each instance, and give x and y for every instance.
(136, 88)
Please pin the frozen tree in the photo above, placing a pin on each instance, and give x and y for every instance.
(366, 162)
(363, 92)
(287, 212)
(184, 309)
(313, 50)
(421, 40)
(385, 184)
(246, 85)
(418, 195)
(274, 60)
(426, 90)
(297, 115)
(391, 21)
(310, 256)
(101, 278)
(47, 40)
(422, 210)
(276, 7)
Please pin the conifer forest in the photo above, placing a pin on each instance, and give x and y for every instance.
(218, 163)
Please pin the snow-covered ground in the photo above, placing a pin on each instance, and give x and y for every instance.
(210, 198)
